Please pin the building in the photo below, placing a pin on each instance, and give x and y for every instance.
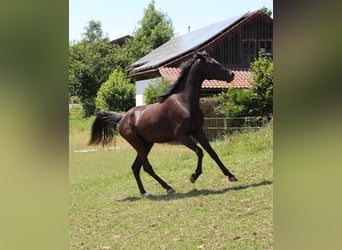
(121, 40)
(234, 42)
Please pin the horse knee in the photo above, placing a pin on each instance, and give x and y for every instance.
(148, 169)
(136, 166)
(199, 153)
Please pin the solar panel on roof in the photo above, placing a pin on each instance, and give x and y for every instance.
(179, 45)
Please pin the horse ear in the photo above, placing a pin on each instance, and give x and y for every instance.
(205, 53)
(196, 54)
(200, 55)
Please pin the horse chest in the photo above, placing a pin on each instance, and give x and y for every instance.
(189, 123)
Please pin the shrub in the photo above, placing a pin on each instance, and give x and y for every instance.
(256, 101)
(116, 94)
(208, 104)
(154, 89)
(236, 103)
(262, 69)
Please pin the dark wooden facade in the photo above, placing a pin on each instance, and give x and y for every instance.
(239, 46)
(121, 40)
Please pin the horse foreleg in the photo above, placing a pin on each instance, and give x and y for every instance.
(148, 168)
(202, 139)
(186, 141)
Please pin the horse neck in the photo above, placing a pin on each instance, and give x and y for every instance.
(192, 86)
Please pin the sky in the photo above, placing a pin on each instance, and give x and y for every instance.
(120, 18)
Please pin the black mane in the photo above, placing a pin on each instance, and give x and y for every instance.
(185, 67)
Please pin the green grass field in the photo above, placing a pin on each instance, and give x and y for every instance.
(108, 212)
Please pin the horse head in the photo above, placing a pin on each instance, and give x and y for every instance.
(212, 69)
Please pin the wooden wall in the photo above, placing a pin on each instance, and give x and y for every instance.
(240, 46)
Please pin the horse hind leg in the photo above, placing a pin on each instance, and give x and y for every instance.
(136, 171)
(143, 148)
(148, 168)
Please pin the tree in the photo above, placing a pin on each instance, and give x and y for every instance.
(262, 69)
(93, 31)
(116, 94)
(267, 11)
(123, 55)
(91, 61)
(156, 29)
(257, 101)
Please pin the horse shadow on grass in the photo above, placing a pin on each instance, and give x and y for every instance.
(196, 192)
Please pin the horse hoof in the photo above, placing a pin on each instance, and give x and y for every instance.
(171, 191)
(147, 194)
(193, 178)
(232, 178)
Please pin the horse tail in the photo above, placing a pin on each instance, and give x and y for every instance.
(104, 128)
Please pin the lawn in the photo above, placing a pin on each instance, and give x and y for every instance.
(108, 212)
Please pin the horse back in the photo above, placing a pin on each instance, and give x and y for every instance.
(161, 122)
(150, 122)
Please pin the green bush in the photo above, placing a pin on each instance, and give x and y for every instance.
(236, 103)
(256, 101)
(262, 69)
(116, 94)
(208, 104)
(154, 89)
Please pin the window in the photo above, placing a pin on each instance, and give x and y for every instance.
(266, 46)
(248, 51)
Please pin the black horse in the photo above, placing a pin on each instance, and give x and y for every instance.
(177, 116)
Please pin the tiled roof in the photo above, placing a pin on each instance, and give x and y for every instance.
(180, 45)
(241, 79)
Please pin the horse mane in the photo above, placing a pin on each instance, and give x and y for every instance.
(185, 68)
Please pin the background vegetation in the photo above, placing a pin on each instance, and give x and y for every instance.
(116, 94)
(93, 59)
(154, 89)
(256, 101)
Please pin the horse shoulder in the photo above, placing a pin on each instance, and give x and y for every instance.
(178, 108)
